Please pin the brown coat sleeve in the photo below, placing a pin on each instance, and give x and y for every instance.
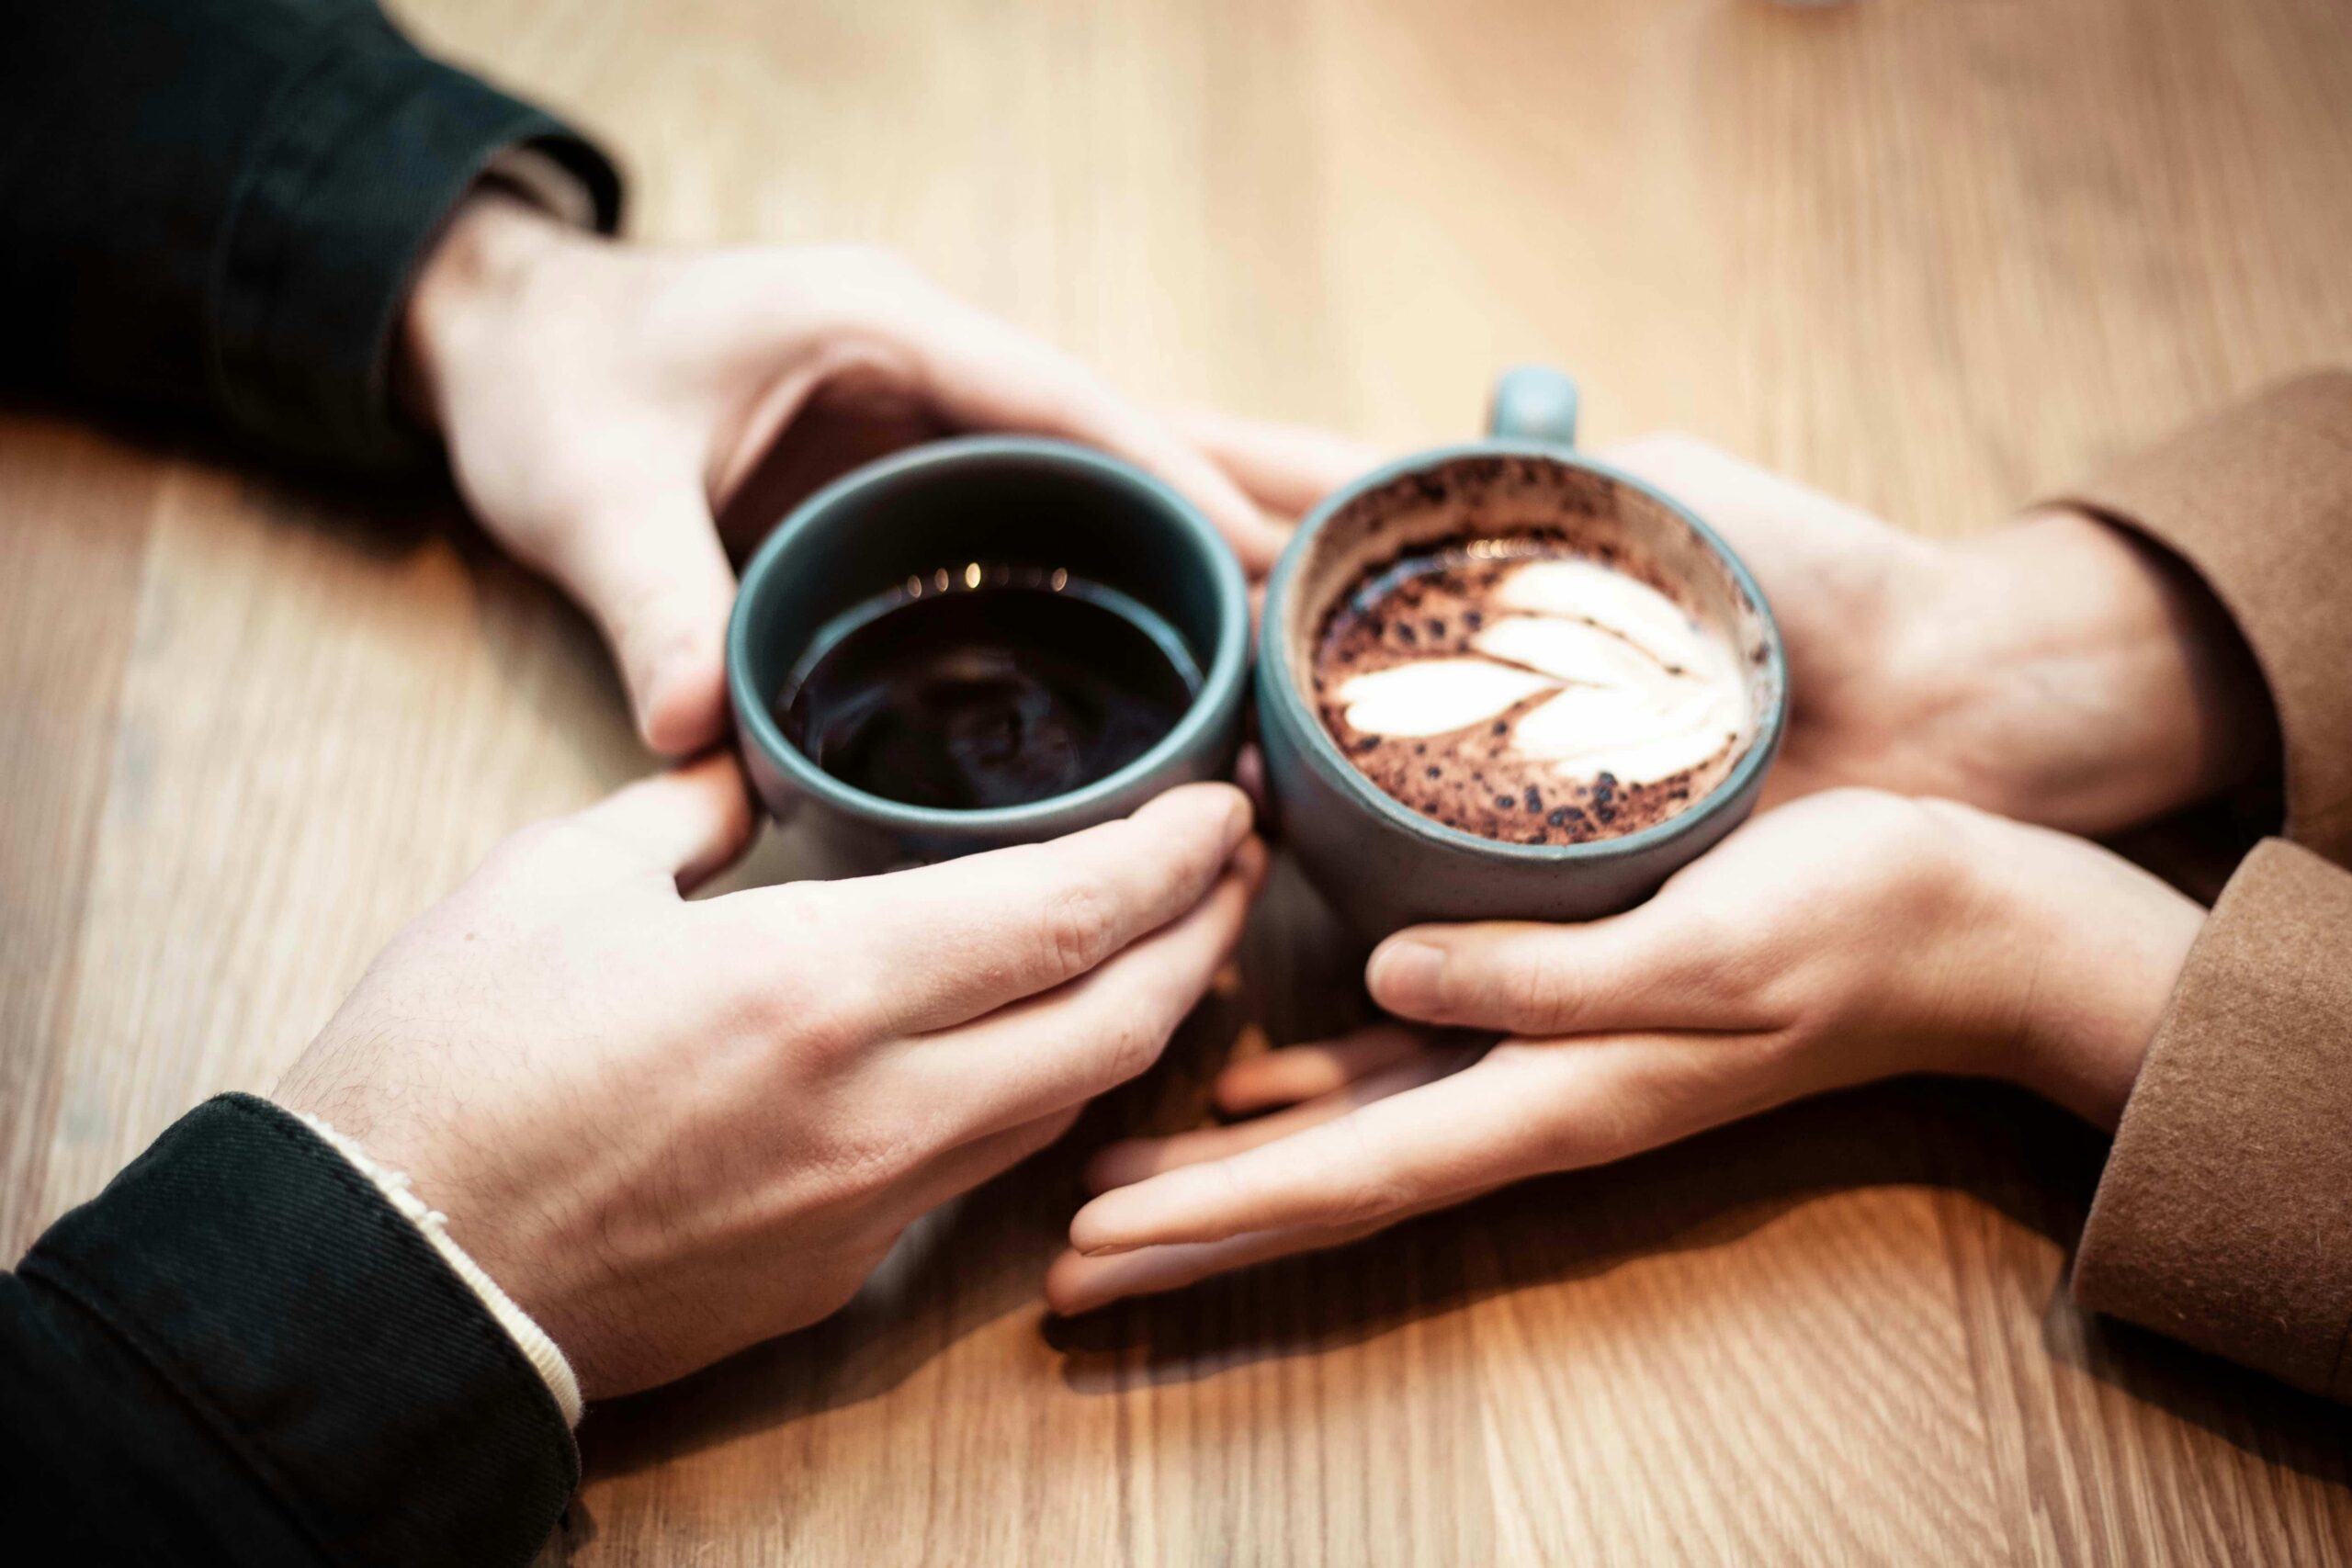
(2224, 1216)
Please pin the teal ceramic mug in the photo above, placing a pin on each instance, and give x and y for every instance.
(934, 510)
(1380, 864)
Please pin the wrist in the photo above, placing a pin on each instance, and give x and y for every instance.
(543, 1354)
(2076, 675)
(2078, 952)
(466, 291)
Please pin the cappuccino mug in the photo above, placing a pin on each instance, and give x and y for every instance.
(1383, 865)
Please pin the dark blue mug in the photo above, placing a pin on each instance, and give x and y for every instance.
(993, 499)
(1383, 865)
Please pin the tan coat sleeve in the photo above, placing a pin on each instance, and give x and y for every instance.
(2258, 501)
(2224, 1216)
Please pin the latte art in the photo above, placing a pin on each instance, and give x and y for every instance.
(1632, 687)
(1518, 690)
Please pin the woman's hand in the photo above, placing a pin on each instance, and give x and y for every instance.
(672, 1129)
(2056, 670)
(1846, 937)
(600, 401)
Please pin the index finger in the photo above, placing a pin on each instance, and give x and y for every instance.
(1523, 1110)
(952, 942)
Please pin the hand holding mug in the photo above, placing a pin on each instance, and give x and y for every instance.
(1843, 938)
(672, 1129)
(600, 399)
(2056, 670)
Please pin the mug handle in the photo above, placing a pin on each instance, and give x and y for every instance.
(1534, 402)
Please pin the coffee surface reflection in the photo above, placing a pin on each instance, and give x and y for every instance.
(986, 685)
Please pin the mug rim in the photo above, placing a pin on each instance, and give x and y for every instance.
(1322, 752)
(1221, 681)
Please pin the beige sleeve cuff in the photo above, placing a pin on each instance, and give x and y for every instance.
(2224, 1217)
(2258, 501)
(528, 1336)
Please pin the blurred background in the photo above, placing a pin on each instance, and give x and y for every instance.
(1931, 254)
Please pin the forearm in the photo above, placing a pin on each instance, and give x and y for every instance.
(240, 1352)
(217, 206)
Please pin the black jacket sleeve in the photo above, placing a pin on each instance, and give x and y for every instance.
(239, 1353)
(218, 205)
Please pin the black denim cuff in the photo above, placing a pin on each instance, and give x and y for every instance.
(319, 1335)
(369, 147)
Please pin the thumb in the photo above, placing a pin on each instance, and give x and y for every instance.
(692, 821)
(647, 565)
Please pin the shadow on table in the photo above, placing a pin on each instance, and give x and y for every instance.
(2031, 1163)
(2002, 1149)
(525, 622)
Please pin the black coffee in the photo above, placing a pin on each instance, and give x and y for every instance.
(987, 686)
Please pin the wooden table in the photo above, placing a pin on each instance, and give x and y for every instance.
(1935, 258)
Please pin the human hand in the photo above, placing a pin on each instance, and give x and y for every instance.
(1843, 938)
(2057, 669)
(600, 401)
(671, 1129)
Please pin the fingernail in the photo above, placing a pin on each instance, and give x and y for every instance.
(1108, 1249)
(1405, 977)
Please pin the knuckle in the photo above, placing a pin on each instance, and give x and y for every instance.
(821, 1029)
(1193, 865)
(798, 913)
(1119, 1051)
(1531, 992)
(1373, 1190)
(1134, 1044)
(820, 1020)
(1373, 1196)
(1712, 936)
(1077, 930)
(1718, 956)
(788, 984)
(872, 1158)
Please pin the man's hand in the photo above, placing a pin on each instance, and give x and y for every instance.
(1846, 937)
(601, 401)
(672, 1129)
(2057, 669)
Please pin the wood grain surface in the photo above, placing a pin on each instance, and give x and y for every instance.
(1934, 256)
